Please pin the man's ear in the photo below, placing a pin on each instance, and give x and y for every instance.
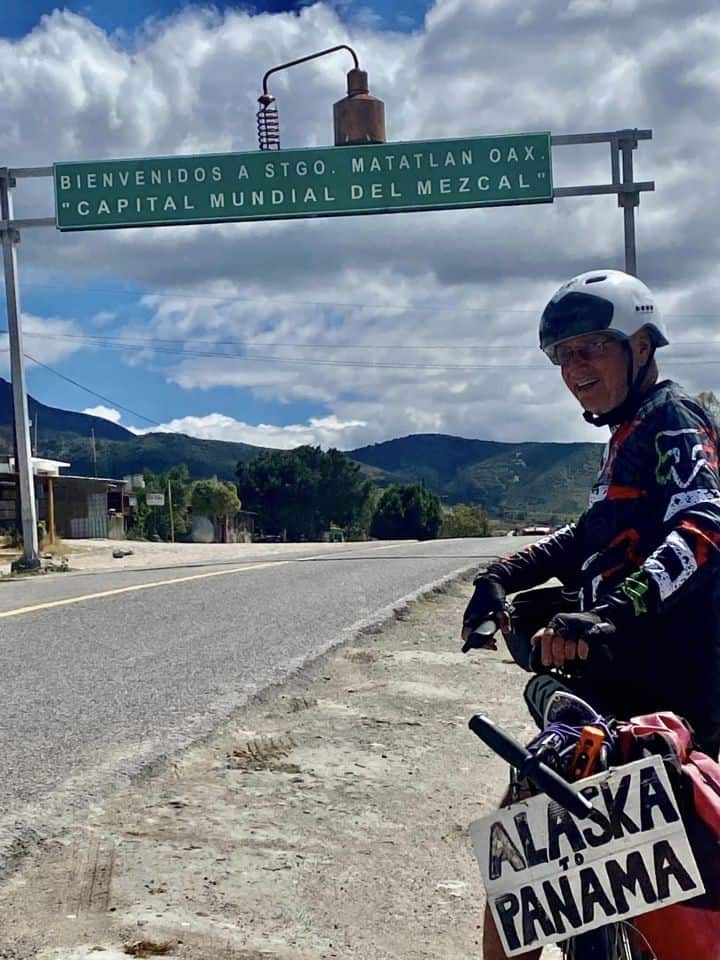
(643, 346)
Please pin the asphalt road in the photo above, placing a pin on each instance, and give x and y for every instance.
(139, 664)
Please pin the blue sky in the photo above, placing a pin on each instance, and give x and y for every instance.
(19, 18)
(125, 20)
(349, 331)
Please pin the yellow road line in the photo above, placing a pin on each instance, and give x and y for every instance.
(138, 586)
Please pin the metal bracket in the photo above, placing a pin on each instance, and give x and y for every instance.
(622, 143)
(20, 224)
(625, 142)
(9, 231)
(630, 136)
(599, 188)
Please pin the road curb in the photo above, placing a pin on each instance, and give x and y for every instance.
(395, 611)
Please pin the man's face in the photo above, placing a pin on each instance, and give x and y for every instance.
(594, 368)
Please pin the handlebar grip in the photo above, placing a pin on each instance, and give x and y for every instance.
(477, 641)
(529, 766)
(481, 637)
(599, 650)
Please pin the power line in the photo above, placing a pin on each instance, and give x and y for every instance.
(239, 341)
(91, 392)
(326, 345)
(310, 361)
(146, 342)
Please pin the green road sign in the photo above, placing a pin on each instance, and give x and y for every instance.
(316, 182)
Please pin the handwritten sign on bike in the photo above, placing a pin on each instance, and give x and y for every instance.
(317, 182)
(550, 876)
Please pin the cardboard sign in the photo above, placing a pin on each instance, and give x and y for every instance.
(550, 876)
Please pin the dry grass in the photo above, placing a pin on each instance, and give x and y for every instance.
(11, 548)
(58, 548)
(263, 753)
(361, 656)
(296, 704)
(147, 948)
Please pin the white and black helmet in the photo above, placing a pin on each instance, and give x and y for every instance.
(600, 301)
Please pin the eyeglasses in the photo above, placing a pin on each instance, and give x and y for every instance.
(565, 355)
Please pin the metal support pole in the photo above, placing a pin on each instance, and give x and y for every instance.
(627, 142)
(170, 507)
(10, 238)
(51, 509)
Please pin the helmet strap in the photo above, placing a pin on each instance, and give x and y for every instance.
(625, 410)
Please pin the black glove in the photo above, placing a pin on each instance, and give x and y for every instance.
(582, 626)
(487, 600)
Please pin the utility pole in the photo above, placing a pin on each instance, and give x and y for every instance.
(170, 506)
(23, 458)
(94, 451)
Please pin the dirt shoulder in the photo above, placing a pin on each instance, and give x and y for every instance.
(97, 555)
(329, 819)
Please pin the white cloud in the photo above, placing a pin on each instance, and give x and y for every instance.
(413, 322)
(43, 340)
(107, 413)
(318, 431)
(103, 318)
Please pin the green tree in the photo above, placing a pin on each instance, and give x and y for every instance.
(407, 511)
(359, 529)
(302, 492)
(465, 520)
(155, 521)
(214, 498)
(388, 522)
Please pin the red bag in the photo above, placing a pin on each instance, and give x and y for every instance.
(689, 930)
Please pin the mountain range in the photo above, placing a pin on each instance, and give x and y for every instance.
(544, 482)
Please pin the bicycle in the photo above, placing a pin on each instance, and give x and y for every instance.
(575, 742)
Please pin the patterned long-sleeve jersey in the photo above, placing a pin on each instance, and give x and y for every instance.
(650, 537)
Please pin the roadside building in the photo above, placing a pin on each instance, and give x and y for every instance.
(68, 506)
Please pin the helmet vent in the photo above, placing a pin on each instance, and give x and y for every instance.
(596, 279)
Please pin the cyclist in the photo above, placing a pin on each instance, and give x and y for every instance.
(643, 558)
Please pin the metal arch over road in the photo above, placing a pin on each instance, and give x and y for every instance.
(377, 178)
(333, 181)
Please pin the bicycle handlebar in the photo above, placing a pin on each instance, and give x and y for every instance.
(530, 766)
(599, 650)
(481, 637)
